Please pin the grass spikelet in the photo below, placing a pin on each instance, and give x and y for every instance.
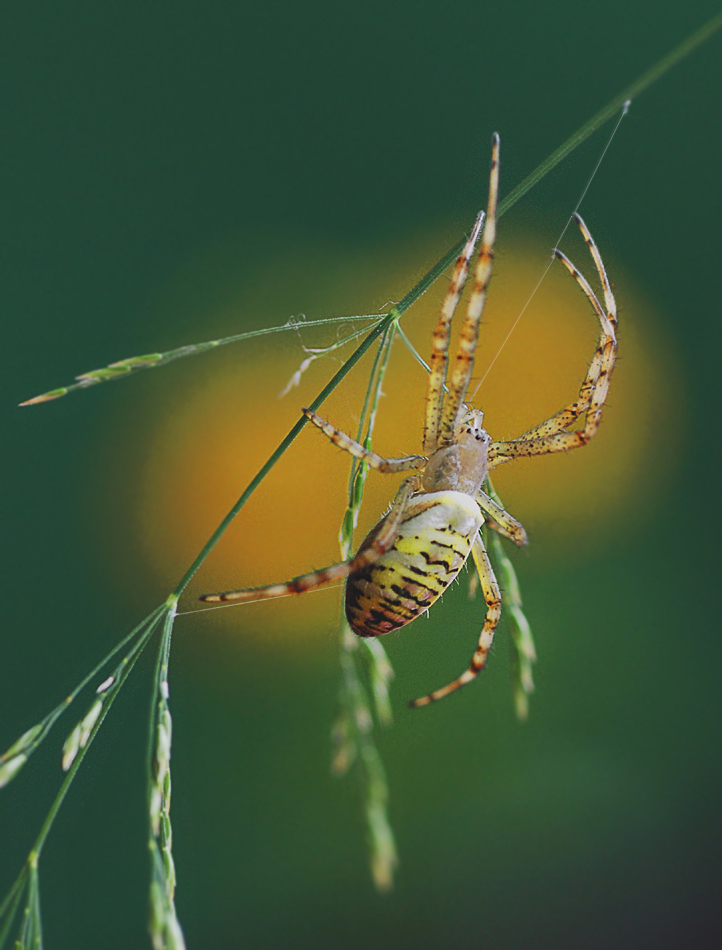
(354, 729)
(524, 650)
(165, 929)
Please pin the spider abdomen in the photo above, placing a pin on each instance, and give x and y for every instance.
(433, 543)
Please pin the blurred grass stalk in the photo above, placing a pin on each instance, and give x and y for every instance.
(354, 732)
(165, 930)
(74, 751)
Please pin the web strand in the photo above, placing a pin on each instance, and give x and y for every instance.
(622, 114)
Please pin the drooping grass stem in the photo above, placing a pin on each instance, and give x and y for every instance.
(354, 729)
(127, 665)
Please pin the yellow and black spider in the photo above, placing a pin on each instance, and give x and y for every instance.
(409, 559)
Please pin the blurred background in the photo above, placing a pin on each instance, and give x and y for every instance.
(176, 173)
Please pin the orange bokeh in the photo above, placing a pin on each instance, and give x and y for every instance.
(228, 419)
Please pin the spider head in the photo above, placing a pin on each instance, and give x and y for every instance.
(469, 426)
(473, 443)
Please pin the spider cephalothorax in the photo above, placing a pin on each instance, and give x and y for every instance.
(434, 523)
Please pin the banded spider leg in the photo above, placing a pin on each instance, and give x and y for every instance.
(550, 436)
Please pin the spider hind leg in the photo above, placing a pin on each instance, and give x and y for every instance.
(492, 598)
(382, 541)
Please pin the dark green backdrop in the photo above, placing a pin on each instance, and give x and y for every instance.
(133, 137)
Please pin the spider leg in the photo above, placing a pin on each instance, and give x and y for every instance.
(440, 342)
(501, 520)
(464, 363)
(565, 417)
(493, 526)
(351, 446)
(550, 436)
(601, 270)
(381, 542)
(492, 597)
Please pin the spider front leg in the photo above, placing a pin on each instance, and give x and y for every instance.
(345, 442)
(565, 417)
(383, 539)
(464, 363)
(550, 436)
(492, 598)
(440, 342)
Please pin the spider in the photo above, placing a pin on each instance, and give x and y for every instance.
(409, 559)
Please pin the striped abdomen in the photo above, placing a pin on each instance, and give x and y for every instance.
(434, 541)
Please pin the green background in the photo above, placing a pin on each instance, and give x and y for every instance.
(135, 136)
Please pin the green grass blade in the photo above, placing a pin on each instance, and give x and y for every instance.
(13, 760)
(31, 928)
(124, 368)
(635, 89)
(10, 905)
